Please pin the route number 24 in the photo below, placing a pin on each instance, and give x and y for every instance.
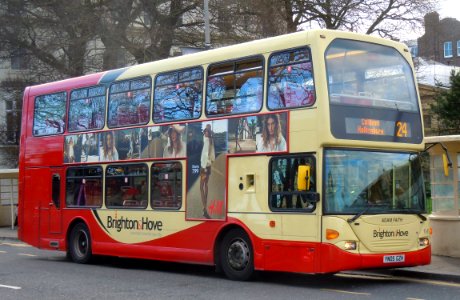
(401, 129)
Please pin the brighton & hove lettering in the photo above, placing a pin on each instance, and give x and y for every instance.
(124, 223)
(381, 234)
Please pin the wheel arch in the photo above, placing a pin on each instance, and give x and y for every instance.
(72, 224)
(220, 236)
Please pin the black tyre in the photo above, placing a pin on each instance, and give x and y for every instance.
(236, 255)
(80, 244)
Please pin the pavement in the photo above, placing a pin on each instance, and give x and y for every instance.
(441, 268)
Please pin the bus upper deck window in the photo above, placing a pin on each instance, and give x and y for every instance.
(49, 114)
(129, 102)
(290, 79)
(87, 108)
(178, 95)
(235, 87)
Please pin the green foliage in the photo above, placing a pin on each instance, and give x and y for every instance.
(446, 106)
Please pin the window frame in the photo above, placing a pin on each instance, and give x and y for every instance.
(267, 89)
(110, 93)
(203, 82)
(64, 120)
(448, 48)
(234, 62)
(311, 195)
(104, 113)
(85, 177)
(151, 200)
(106, 181)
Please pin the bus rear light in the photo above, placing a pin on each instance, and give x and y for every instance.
(331, 234)
(350, 245)
(431, 231)
(272, 224)
(423, 242)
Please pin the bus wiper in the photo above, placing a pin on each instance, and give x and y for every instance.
(369, 206)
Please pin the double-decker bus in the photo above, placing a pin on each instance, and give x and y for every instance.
(296, 153)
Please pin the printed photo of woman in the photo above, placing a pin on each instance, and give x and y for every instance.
(208, 156)
(176, 147)
(108, 151)
(272, 137)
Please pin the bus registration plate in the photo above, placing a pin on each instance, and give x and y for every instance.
(388, 259)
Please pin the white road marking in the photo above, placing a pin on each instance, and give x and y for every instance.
(407, 279)
(27, 254)
(2, 251)
(10, 287)
(16, 244)
(346, 292)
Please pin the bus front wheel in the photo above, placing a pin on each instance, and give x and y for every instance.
(80, 244)
(236, 255)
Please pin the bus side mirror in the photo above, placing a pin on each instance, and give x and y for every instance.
(445, 164)
(303, 178)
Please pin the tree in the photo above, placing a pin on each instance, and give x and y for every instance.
(386, 18)
(56, 36)
(146, 29)
(447, 106)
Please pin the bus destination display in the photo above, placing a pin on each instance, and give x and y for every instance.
(378, 127)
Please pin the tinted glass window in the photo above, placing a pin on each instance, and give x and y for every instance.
(369, 75)
(87, 108)
(49, 114)
(84, 186)
(372, 182)
(290, 79)
(129, 102)
(178, 95)
(167, 185)
(235, 87)
(284, 193)
(126, 186)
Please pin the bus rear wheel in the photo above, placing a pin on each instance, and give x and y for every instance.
(236, 255)
(80, 244)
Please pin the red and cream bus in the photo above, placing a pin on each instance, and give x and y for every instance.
(297, 153)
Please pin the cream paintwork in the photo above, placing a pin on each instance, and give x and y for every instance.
(364, 233)
(172, 222)
(251, 206)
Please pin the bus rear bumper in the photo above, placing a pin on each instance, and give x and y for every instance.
(334, 259)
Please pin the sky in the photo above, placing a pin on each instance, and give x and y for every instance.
(449, 9)
(446, 9)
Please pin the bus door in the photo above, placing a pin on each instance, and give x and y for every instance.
(293, 199)
(51, 201)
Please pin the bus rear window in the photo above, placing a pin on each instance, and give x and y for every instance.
(369, 75)
(49, 114)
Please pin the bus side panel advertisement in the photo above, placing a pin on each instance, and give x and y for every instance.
(204, 145)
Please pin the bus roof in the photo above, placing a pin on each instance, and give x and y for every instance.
(246, 49)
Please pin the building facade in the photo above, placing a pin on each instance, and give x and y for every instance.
(11, 70)
(441, 41)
